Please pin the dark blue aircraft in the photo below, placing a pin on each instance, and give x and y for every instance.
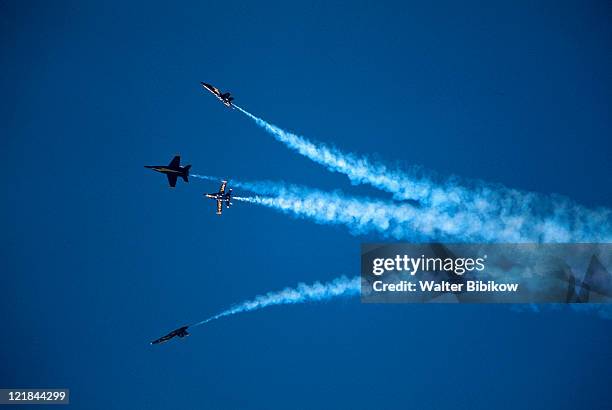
(225, 98)
(173, 170)
(180, 332)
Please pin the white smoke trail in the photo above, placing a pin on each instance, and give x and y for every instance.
(479, 200)
(359, 169)
(206, 177)
(405, 221)
(346, 287)
(303, 293)
(402, 221)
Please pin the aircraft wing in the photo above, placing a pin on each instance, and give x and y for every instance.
(222, 188)
(162, 339)
(212, 89)
(176, 161)
(219, 207)
(171, 180)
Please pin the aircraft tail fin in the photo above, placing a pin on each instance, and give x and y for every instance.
(186, 174)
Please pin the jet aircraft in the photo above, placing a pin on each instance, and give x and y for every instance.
(225, 98)
(173, 170)
(180, 332)
(221, 197)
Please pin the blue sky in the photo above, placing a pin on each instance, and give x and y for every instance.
(100, 257)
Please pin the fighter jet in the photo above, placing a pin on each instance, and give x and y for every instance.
(221, 197)
(180, 332)
(173, 170)
(225, 98)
